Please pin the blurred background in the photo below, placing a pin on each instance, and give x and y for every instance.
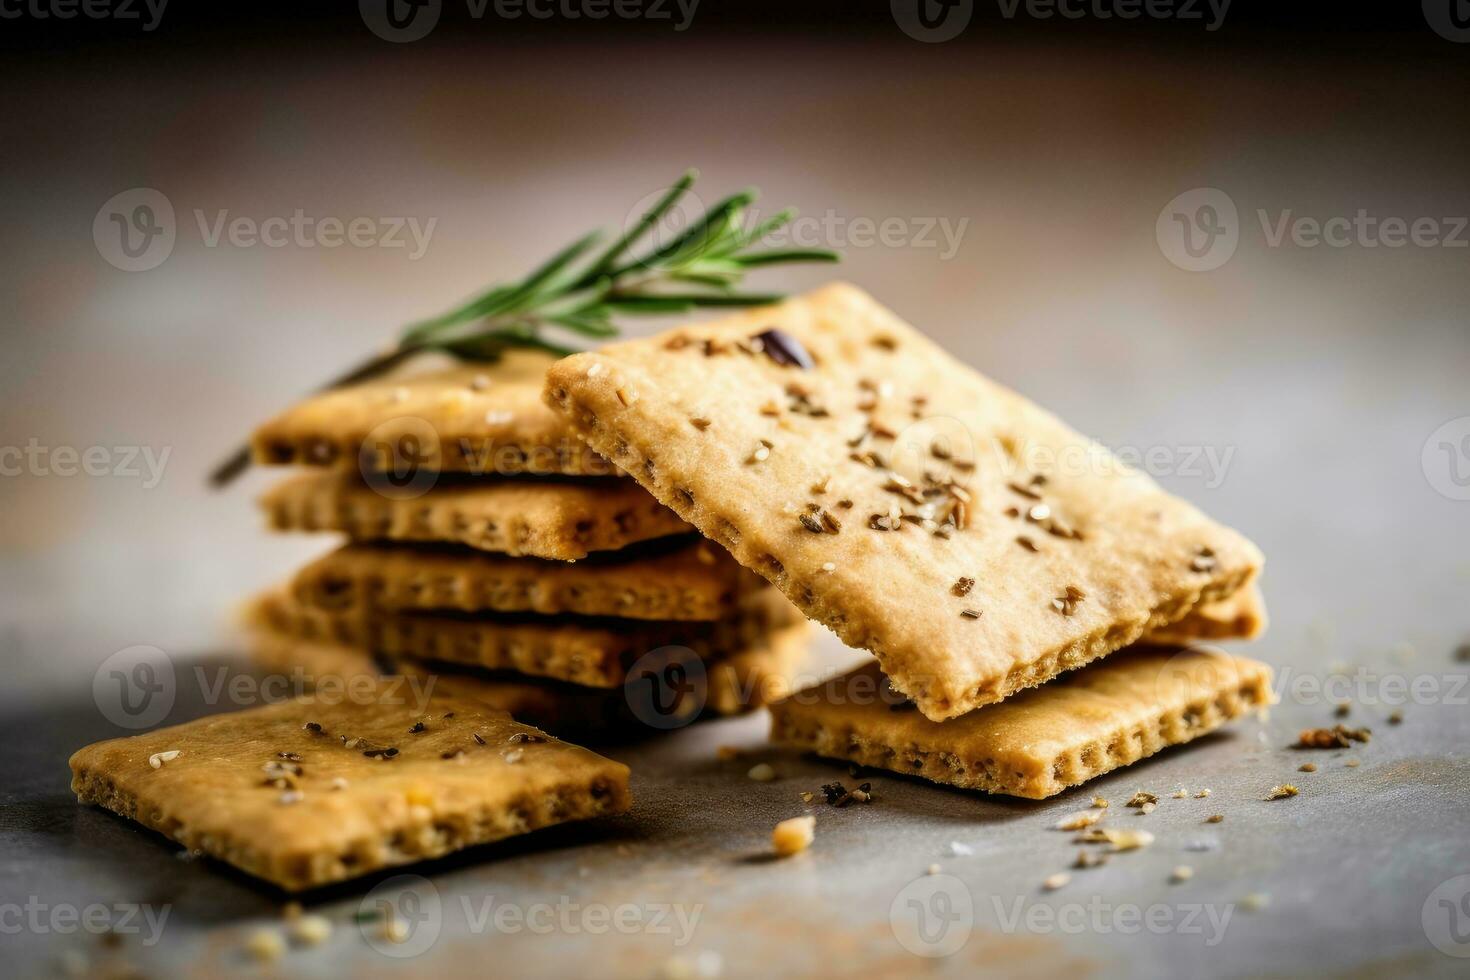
(1230, 239)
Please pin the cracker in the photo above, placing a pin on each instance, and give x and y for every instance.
(1240, 617)
(595, 652)
(537, 518)
(684, 580)
(742, 681)
(966, 537)
(481, 418)
(1039, 742)
(290, 819)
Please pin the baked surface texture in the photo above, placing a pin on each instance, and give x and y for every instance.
(681, 579)
(556, 519)
(1039, 742)
(305, 792)
(1239, 617)
(481, 418)
(969, 539)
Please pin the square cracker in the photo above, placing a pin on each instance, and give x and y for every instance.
(745, 679)
(1240, 617)
(973, 542)
(1039, 742)
(537, 518)
(480, 418)
(306, 792)
(594, 652)
(685, 580)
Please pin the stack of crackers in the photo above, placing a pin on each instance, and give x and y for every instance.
(489, 547)
(1024, 591)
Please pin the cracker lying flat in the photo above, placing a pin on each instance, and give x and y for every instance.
(1039, 742)
(588, 652)
(970, 540)
(482, 418)
(690, 580)
(307, 792)
(742, 681)
(1240, 617)
(538, 518)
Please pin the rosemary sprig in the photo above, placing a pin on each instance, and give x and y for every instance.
(580, 291)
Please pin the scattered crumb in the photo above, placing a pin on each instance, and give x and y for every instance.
(1281, 792)
(1353, 763)
(1182, 872)
(291, 911)
(1099, 802)
(807, 797)
(956, 849)
(1396, 718)
(1180, 793)
(394, 929)
(793, 836)
(1202, 794)
(1255, 901)
(1336, 737)
(1307, 767)
(1342, 710)
(1089, 859)
(727, 752)
(1058, 880)
(1215, 818)
(933, 869)
(311, 930)
(1142, 799)
(762, 772)
(1077, 821)
(265, 945)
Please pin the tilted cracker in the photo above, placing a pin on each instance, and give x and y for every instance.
(966, 537)
(1039, 742)
(1240, 617)
(307, 792)
(739, 682)
(691, 580)
(537, 518)
(481, 418)
(588, 652)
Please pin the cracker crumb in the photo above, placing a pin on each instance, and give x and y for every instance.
(265, 945)
(1215, 818)
(762, 772)
(1281, 792)
(1077, 821)
(794, 835)
(1128, 840)
(311, 930)
(1202, 794)
(727, 752)
(1396, 718)
(1353, 763)
(1307, 767)
(1255, 901)
(1182, 872)
(1089, 859)
(1180, 793)
(1100, 802)
(956, 849)
(1142, 799)
(933, 869)
(1058, 880)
